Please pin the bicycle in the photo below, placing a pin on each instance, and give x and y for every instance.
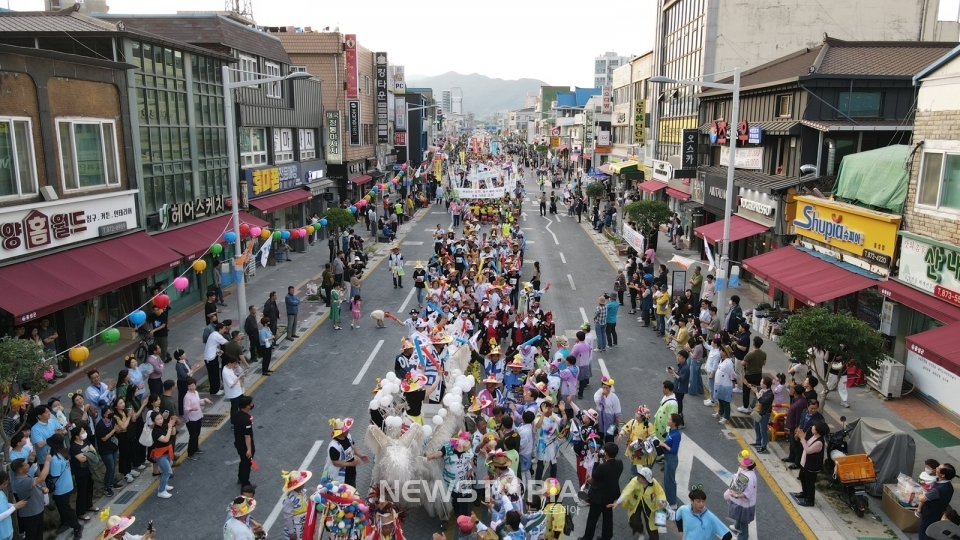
(146, 341)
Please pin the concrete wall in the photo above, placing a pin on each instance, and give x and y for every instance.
(938, 125)
(938, 92)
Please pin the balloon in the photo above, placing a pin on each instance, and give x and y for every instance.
(199, 265)
(310, 229)
(367, 199)
(110, 335)
(442, 412)
(244, 229)
(391, 376)
(303, 232)
(78, 354)
(294, 233)
(230, 237)
(265, 233)
(254, 231)
(372, 193)
(386, 401)
(403, 167)
(447, 400)
(456, 373)
(323, 222)
(353, 209)
(162, 301)
(284, 235)
(437, 419)
(374, 405)
(427, 431)
(48, 374)
(375, 188)
(137, 317)
(216, 249)
(456, 408)
(277, 235)
(181, 283)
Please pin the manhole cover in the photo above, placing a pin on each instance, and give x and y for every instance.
(213, 421)
(741, 422)
(126, 497)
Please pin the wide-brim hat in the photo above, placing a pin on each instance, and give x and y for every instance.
(516, 362)
(238, 510)
(495, 350)
(500, 459)
(745, 460)
(441, 338)
(418, 266)
(477, 404)
(606, 381)
(116, 525)
(413, 381)
(490, 380)
(340, 426)
(395, 246)
(591, 414)
(406, 344)
(294, 479)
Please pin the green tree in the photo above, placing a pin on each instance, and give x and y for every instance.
(595, 190)
(648, 216)
(21, 370)
(338, 221)
(819, 328)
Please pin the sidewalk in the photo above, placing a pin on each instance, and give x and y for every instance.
(909, 414)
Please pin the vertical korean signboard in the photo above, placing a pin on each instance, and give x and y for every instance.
(352, 66)
(606, 99)
(353, 122)
(691, 144)
(334, 143)
(588, 130)
(399, 82)
(639, 120)
(382, 97)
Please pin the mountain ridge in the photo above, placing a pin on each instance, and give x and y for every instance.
(482, 95)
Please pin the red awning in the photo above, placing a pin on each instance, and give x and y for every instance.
(46, 284)
(920, 301)
(652, 186)
(561, 148)
(807, 278)
(740, 228)
(194, 240)
(281, 200)
(605, 169)
(362, 179)
(677, 194)
(939, 346)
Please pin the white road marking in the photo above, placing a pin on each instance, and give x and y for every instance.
(570, 279)
(524, 216)
(603, 368)
(583, 314)
(438, 213)
(277, 508)
(562, 258)
(558, 217)
(232, 462)
(412, 243)
(366, 364)
(555, 241)
(407, 301)
(531, 242)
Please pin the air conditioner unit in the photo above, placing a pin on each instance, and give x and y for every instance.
(887, 378)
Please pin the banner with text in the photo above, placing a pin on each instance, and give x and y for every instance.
(632, 237)
(351, 66)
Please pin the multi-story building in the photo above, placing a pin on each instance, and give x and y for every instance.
(346, 71)
(69, 218)
(603, 67)
(446, 101)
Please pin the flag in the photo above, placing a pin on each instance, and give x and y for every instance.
(264, 252)
(709, 252)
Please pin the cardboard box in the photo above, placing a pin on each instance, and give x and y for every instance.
(902, 517)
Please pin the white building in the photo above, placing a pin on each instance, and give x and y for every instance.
(603, 67)
(446, 101)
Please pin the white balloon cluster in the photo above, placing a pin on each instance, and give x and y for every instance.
(389, 387)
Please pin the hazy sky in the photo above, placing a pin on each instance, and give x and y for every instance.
(510, 39)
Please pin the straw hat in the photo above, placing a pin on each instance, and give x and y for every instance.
(494, 350)
(591, 414)
(116, 525)
(477, 404)
(516, 362)
(500, 459)
(745, 460)
(238, 510)
(395, 247)
(340, 426)
(294, 479)
(406, 344)
(490, 380)
(413, 381)
(606, 381)
(418, 266)
(441, 338)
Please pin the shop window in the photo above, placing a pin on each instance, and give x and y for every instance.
(785, 106)
(940, 181)
(282, 145)
(253, 147)
(273, 89)
(307, 146)
(18, 174)
(298, 69)
(246, 68)
(88, 154)
(861, 104)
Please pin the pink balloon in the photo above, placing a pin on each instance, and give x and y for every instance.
(303, 233)
(48, 374)
(361, 203)
(403, 167)
(255, 231)
(181, 283)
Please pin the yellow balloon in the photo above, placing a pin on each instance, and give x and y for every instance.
(368, 198)
(310, 229)
(199, 265)
(264, 233)
(79, 354)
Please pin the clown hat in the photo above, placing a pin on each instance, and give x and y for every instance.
(418, 266)
(116, 525)
(477, 404)
(490, 380)
(340, 426)
(406, 344)
(643, 411)
(413, 381)
(242, 508)
(606, 381)
(516, 362)
(294, 479)
(495, 350)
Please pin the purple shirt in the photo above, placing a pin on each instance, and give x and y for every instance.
(157, 364)
(583, 353)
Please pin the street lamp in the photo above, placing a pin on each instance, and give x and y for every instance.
(228, 105)
(728, 200)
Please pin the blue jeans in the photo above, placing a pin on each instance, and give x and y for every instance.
(421, 293)
(744, 528)
(601, 336)
(760, 430)
(661, 324)
(163, 462)
(710, 381)
(670, 477)
(110, 462)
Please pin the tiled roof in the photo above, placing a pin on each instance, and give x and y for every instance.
(207, 29)
(52, 21)
(311, 42)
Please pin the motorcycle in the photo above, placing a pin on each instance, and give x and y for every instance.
(853, 471)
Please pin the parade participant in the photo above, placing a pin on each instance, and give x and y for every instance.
(699, 522)
(742, 495)
(343, 456)
(396, 266)
(239, 526)
(404, 363)
(386, 524)
(117, 526)
(493, 364)
(457, 457)
(491, 394)
(295, 503)
(583, 429)
(415, 393)
(643, 498)
(608, 409)
(637, 431)
(583, 351)
(513, 380)
(547, 441)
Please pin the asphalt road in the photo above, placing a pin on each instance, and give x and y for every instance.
(321, 379)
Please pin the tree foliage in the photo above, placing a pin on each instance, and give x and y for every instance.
(819, 328)
(21, 364)
(648, 215)
(595, 190)
(338, 221)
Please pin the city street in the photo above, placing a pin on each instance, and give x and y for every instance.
(330, 374)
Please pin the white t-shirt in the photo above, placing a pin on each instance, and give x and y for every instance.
(210, 347)
(231, 384)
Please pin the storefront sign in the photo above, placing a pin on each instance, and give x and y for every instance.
(754, 135)
(747, 158)
(600, 149)
(269, 180)
(34, 228)
(353, 122)
(334, 142)
(603, 138)
(311, 171)
(754, 206)
(930, 265)
(718, 133)
(865, 233)
(399, 80)
(934, 380)
(174, 215)
(555, 142)
(589, 128)
(399, 139)
(606, 99)
(715, 192)
(383, 97)
(691, 144)
(639, 120)
(400, 112)
(662, 170)
(671, 129)
(696, 189)
(756, 202)
(352, 66)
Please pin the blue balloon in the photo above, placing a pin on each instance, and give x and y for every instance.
(137, 318)
(353, 209)
(285, 234)
(323, 222)
(230, 237)
(375, 188)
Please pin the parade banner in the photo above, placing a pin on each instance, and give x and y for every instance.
(352, 66)
(633, 238)
(489, 193)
